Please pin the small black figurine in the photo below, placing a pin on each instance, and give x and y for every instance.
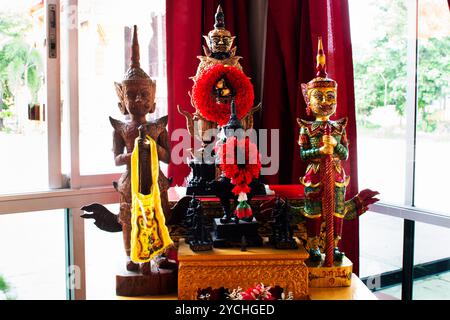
(243, 244)
(199, 239)
(281, 226)
(222, 189)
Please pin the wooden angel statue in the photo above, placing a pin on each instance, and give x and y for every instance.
(137, 99)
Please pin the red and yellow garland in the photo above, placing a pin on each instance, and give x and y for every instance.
(205, 101)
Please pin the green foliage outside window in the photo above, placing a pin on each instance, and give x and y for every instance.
(21, 65)
(381, 71)
(5, 290)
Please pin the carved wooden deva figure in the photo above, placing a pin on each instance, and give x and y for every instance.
(219, 50)
(219, 46)
(137, 99)
(321, 140)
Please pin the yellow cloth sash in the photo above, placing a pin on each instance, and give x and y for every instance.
(149, 233)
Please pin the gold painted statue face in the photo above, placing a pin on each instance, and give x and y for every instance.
(322, 101)
(321, 92)
(139, 98)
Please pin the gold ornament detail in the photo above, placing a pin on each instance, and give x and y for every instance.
(292, 275)
(231, 268)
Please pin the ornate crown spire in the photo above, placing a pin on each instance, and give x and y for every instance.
(219, 19)
(321, 79)
(321, 66)
(219, 25)
(234, 123)
(135, 56)
(135, 73)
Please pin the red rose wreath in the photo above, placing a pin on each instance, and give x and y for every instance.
(240, 162)
(205, 101)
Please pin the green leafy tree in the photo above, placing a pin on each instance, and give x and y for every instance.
(5, 289)
(433, 77)
(381, 67)
(21, 65)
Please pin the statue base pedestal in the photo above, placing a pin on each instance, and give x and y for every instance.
(133, 284)
(283, 245)
(339, 275)
(196, 247)
(229, 235)
(232, 268)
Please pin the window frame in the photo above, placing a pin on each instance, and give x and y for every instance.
(73, 191)
(409, 212)
(68, 191)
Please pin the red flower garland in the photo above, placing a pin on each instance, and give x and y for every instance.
(205, 102)
(241, 175)
(259, 292)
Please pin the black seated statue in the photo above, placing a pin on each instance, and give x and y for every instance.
(281, 226)
(199, 238)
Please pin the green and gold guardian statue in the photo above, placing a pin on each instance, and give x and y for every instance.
(319, 140)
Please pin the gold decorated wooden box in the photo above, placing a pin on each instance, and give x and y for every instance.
(232, 268)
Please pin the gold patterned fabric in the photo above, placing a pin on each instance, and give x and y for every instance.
(149, 233)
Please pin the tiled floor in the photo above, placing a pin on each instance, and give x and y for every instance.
(435, 287)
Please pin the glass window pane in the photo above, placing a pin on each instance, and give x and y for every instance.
(435, 287)
(430, 243)
(105, 257)
(32, 254)
(381, 243)
(433, 136)
(379, 42)
(381, 251)
(104, 55)
(23, 129)
(432, 262)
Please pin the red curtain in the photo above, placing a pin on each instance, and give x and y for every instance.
(186, 22)
(184, 30)
(292, 30)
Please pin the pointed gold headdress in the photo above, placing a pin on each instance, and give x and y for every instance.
(321, 80)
